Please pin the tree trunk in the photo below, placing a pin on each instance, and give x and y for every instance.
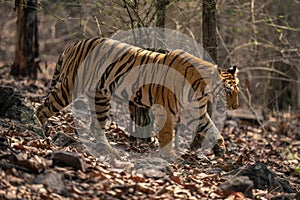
(161, 6)
(209, 28)
(161, 12)
(26, 58)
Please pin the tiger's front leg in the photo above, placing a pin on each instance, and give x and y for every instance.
(99, 105)
(165, 137)
(208, 136)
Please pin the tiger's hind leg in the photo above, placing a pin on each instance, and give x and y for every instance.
(143, 124)
(99, 104)
(165, 137)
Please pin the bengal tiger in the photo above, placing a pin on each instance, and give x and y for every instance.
(76, 70)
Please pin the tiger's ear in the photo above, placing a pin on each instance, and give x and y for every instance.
(219, 69)
(221, 73)
(233, 70)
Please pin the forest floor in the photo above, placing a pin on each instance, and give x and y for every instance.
(261, 162)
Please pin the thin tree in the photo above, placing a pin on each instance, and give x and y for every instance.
(209, 28)
(26, 60)
(161, 6)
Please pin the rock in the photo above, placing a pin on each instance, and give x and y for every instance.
(13, 106)
(152, 173)
(260, 175)
(68, 159)
(61, 139)
(262, 178)
(297, 197)
(53, 181)
(238, 184)
(286, 197)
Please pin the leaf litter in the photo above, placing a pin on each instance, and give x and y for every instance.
(59, 166)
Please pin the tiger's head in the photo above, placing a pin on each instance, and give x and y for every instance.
(231, 85)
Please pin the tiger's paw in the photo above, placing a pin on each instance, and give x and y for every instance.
(102, 146)
(219, 148)
(100, 149)
(106, 149)
(219, 151)
(168, 153)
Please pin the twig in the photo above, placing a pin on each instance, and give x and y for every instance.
(98, 25)
(10, 166)
(276, 97)
(194, 39)
(5, 145)
(248, 45)
(276, 78)
(253, 111)
(267, 69)
(129, 14)
(235, 175)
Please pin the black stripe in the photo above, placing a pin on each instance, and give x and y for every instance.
(177, 55)
(112, 86)
(57, 99)
(112, 65)
(90, 64)
(200, 107)
(126, 64)
(156, 57)
(157, 92)
(170, 108)
(105, 74)
(200, 118)
(144, 56)
(164, 59)
(150, 94)
(202, 127)
(102, 118)
(125, 49)
(163, 94)
(99, 112)
(54, 109)
(100, 98)
(200, 98)
(186, 70)
(104, 104)
(64, 94)
(82, 46)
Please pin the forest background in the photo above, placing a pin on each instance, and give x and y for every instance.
(260, 37)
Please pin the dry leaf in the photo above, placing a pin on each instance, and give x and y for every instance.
(145, 188)
(174, 178)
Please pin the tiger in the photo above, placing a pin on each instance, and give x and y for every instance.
(75, 72)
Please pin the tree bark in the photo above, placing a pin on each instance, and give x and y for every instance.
(161, 6)
(27, 48)
(209, 28)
